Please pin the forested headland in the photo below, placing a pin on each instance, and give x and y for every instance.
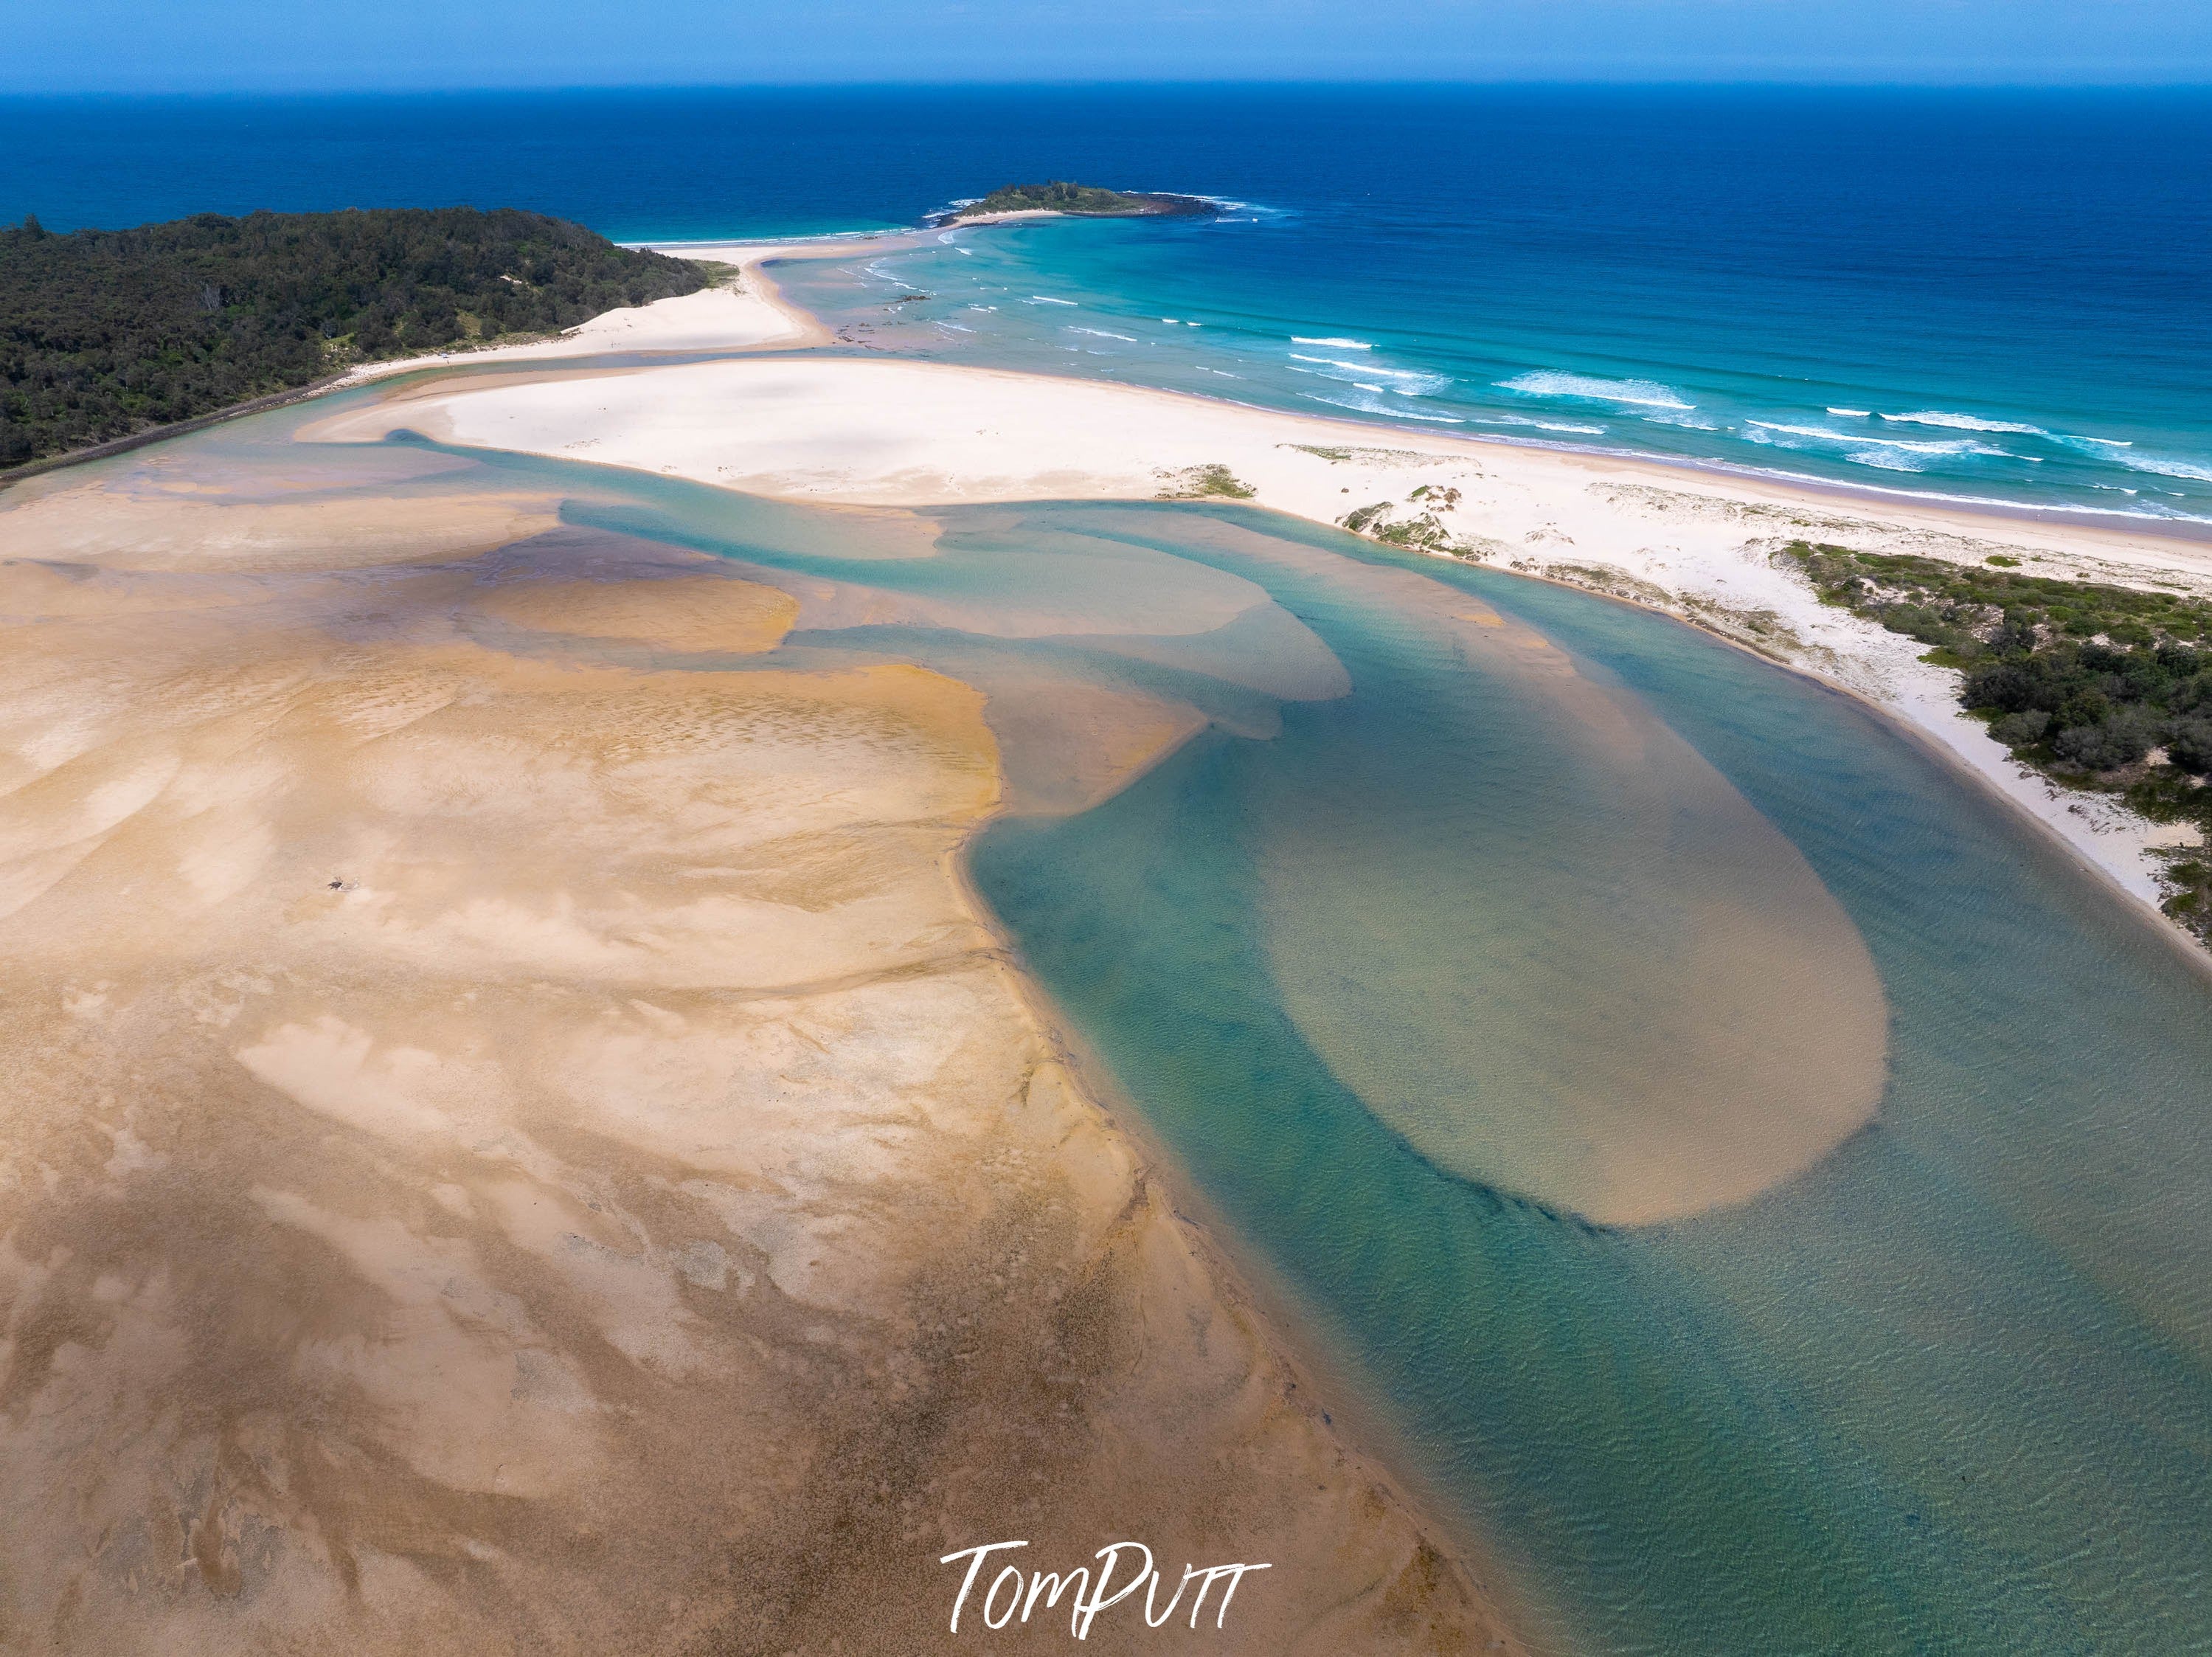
(104, 333)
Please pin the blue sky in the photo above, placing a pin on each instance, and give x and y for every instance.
(67, 46)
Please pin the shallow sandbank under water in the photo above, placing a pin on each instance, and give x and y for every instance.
(1943, 1390)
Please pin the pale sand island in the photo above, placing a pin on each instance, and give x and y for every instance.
(518, 1145)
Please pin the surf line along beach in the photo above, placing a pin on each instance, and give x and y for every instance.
(784, 422)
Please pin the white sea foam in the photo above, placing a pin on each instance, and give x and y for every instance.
(1550, 382)
(1401, 379)
(1540, 425)
(2162, 465)
(1325, 340)
(1101, 333)
(1364, 386)
(1406, 382)
(1392, 414)
(1955, 445)
(2166, 467)
(1853, 414)
(1963, 423)
(1046, 299)
(1691, 421)
(1811, 431)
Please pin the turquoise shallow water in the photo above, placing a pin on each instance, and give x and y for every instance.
(1947, 1389)
(1946, 1392)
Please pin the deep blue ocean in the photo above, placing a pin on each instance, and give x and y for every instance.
(2003, 294)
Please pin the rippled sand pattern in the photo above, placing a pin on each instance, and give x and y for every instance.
(1539, 935)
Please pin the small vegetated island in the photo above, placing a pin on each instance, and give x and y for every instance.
(107, 334)
(2096, 686)
(1078, 200)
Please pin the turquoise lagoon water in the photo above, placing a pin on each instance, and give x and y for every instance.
(1946, 1392)
(1950, 1389)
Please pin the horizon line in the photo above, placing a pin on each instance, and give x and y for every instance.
(2198, 80)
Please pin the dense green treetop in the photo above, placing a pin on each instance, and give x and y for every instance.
(107, 332)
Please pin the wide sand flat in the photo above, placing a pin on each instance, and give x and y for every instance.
(515, 1146)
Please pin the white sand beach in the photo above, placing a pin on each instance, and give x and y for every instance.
(1696, 542)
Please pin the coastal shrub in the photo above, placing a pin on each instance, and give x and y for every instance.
(107, 333)
(1207, 482)
(2099, 686)
(2106, 746)
(2021, 729)
(2189, 745)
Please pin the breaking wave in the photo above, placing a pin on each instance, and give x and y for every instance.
(1962, 422)
(1550, 382)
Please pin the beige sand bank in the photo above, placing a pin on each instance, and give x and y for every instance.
(1696, 542)
(513, 1144)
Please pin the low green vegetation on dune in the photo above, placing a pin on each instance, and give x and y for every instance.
(107, 333)
(2096, 687)
(1213, 481)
